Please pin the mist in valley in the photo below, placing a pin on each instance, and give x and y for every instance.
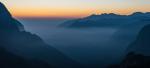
(97, 46)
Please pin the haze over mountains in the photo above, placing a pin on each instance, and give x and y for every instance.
(18, 47)
(106, 39)
(138, 52)
(126, 29)
(103, 44)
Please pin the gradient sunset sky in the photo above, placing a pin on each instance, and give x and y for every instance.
(74, 8)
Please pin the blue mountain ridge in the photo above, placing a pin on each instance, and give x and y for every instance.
(106, 20)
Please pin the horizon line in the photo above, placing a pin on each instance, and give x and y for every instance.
(69, 17)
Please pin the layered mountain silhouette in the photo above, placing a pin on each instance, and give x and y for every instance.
(106, 20)
(127, 33)
(138, 52)
(142, 43)
(136, 22)
(22, 49)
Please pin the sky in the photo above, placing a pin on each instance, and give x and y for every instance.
(74, 8)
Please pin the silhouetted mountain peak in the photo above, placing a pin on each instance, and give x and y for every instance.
(113, 14)
(17, 41)
(4, 13)
(140, 14)
(93, 15)
(7, 23)
(102, 15)
(137, 13)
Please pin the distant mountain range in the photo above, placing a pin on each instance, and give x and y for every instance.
(106, 20)
(22, 49)
(126, 33)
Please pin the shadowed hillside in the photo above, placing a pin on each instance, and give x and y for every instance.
(18, 45)
(142, 43)
(138, 52)
(9, 60)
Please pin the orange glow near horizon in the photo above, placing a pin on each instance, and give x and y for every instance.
(44, 12)
(74, 8)
(68, 13)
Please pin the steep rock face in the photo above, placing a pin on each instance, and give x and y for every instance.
(7, 23)
(16, 40)
(142, 44)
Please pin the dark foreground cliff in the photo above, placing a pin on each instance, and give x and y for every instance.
(22, 49)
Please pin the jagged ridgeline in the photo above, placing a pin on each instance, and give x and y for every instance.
(22, 49)
(106, 20)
